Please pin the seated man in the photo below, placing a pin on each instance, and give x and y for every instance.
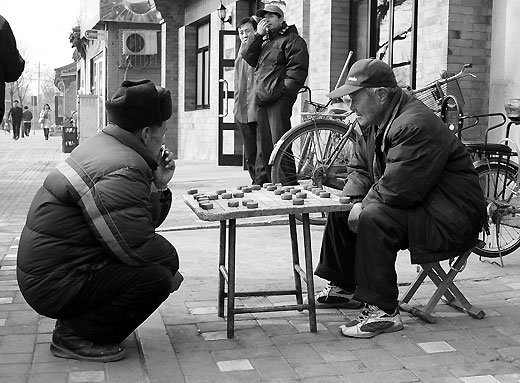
(413, 186)
(89, 255)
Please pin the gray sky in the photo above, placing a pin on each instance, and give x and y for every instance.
(42, 28)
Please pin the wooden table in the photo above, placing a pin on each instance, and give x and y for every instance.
(269, 204)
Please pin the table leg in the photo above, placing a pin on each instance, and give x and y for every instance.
(309, 270)
(296, 259)
(231, 279)
(221, 266)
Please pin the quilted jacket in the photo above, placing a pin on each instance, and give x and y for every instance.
(96, 207)
(425, 169)
(281, 60)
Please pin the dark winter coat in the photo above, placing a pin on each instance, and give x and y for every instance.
(11, 63)
(94, 208)
(426, 170)
(281, 62)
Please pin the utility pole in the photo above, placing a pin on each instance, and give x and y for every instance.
(38, 99)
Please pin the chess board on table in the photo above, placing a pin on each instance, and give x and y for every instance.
(256, 201)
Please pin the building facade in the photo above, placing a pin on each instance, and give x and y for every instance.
(196, 50)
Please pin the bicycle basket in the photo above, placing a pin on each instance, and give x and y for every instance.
(452, 88)
(433, 95)
(430, 97)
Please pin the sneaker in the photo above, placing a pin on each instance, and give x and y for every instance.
(67, 344)
(335, 297)
(371, 322)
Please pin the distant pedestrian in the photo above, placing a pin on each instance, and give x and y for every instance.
(256, 141)
(15, 114)
(45, 120)
(11, 63)
(27, 117)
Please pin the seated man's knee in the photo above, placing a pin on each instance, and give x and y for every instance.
(372, 214)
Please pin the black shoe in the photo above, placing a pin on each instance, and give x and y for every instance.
(333, 296)
(67, 344)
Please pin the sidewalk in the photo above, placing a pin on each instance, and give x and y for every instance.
(185, 340)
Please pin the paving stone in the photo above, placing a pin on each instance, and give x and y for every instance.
(396, 376)
(87, 377)
(433, 347)
(300, 354)
(378, 359)
(333, 351)
(483, 368)
(273, 368)
(480, 379)
(331, 369)
(214, 335)
(234, 365)
(54, 377)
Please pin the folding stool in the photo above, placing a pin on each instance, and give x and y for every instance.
(445, 286)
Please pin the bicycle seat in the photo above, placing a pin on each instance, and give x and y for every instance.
(512, 108)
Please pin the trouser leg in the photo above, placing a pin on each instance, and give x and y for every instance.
(382, 232)
(16, 130)
(337, 256)
(264, 140)
(116, 300)
(279, 115)
(253, 152)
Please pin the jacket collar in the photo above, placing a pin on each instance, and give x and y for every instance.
(396, 101)
(132, 141)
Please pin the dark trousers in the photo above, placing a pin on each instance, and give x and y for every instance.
(276, 118)
(26, 129)
(365, 262)
(16, 129)
(46, 133)
(256, 142)
(116, 300)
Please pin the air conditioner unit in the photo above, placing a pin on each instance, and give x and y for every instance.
(139, 42)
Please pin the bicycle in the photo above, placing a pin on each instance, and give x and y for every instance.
(320, 149)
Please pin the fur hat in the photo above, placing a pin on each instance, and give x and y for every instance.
(137, 104)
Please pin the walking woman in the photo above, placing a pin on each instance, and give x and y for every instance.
(45, 120)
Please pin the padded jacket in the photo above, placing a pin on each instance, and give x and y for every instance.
(281, 62)
(96, 207)
(425, 169)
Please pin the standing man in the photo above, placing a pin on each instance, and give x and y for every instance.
(27, 117)
(16, 114)
(281, 59)
(413, 186)
(89, 255)
(11, 63)
(256, 141)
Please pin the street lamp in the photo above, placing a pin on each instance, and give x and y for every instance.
(222, 14)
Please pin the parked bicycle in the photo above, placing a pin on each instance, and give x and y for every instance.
(321, 147)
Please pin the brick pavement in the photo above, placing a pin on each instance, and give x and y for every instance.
(184, 341)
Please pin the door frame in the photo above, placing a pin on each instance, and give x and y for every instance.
(224, 110)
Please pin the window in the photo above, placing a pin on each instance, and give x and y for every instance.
(396, 44)
(387, 30)
(202, 89)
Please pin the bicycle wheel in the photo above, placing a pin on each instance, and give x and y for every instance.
(319, 152)
(499, 184)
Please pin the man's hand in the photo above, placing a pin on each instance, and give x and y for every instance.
(353, 217)
(261, 28)
(164, 172)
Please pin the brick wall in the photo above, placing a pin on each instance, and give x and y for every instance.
(432, 40)
(470, 42)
